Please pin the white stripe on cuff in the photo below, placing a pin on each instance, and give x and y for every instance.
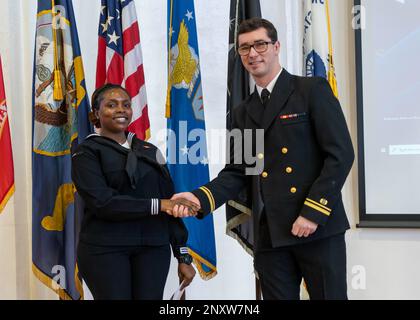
(155, 207)
(183, 250)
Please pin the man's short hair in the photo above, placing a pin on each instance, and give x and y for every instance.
(253, 24)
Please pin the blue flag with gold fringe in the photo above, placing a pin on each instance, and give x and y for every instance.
(60, 122)
(186, 145)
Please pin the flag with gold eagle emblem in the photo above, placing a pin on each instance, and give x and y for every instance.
(187, 147)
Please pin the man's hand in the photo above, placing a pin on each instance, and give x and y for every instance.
(303, 227)
(186, 273)
(181, 211)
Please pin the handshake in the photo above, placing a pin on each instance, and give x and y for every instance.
(181, 205)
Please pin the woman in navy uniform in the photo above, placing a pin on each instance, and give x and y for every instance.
(126, 233)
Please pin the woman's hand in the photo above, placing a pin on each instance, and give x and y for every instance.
(190, 209)
(186, 274)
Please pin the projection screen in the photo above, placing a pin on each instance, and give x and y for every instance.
(388, 90)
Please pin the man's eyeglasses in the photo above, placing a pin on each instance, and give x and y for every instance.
(260, 47)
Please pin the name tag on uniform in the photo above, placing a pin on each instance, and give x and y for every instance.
(292, 116)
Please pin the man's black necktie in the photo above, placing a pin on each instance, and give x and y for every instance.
(265, 96)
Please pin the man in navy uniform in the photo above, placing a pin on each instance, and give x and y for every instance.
(299, 217)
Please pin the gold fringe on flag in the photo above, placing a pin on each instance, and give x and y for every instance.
(198, 260)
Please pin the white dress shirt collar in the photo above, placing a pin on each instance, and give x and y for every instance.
(271, 85)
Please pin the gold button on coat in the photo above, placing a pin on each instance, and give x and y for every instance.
(289, 170)
(261, 156)
(293, 190)
(323, 201)
(284, 150)
(264, 174)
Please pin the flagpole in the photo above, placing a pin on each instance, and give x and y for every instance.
(168, 92)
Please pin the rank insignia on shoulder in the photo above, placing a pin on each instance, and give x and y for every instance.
(292, 116)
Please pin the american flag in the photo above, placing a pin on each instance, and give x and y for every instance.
(120, 58)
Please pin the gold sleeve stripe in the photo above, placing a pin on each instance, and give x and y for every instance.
(318, 204)
(209, 196)
(212, 201)
(317, 208)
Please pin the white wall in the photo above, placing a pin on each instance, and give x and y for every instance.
(16, 48)
(388, 256)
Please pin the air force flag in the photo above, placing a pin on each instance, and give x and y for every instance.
(187, 146)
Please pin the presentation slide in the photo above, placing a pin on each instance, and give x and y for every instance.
(391, 105)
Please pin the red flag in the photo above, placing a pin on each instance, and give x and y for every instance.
(120, 58)
(7, 185)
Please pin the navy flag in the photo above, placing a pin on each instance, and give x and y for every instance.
(60, 122)
(187, 158)
(238, 223)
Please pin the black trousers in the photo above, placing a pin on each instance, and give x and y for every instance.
(321, 263)
(124, 273)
